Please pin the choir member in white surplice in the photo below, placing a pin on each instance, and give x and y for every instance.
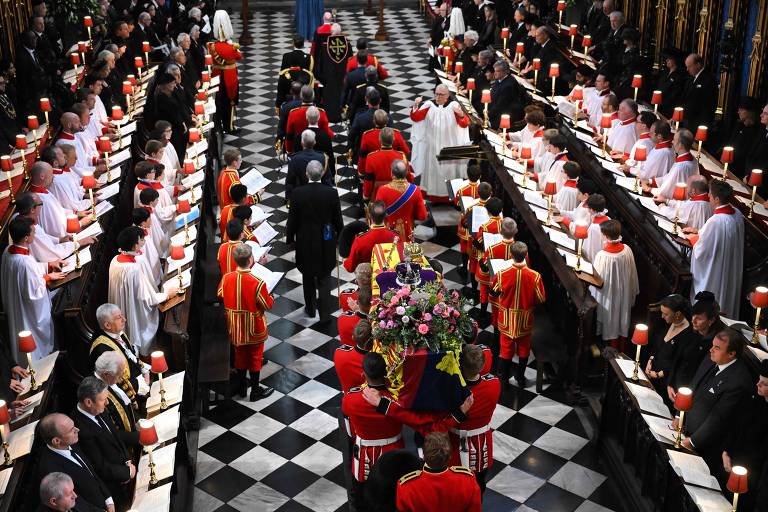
(170, 160)
(615, 264)
(143, 219)
(88, 159)
(662, 156)
(53, 216)
(567, 198)
(163, 220)
(66, 184)
(132, 290)
(437, 124)
(623, 134)
(597, 215)
(717, 259)
(694, 211)
(531, 135)
(542, 163)
(584, 188)
(155, 152)
(26, 299)
(149, 175)
(684, 167)
(645, 122)
(558, 153)
(593, 103)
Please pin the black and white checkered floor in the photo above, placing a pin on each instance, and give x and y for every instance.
(280, 454)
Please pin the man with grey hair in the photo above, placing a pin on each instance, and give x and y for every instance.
(613, 45)
(700, 98)
(323, 142)
(246, 298)
(623, 135)
(507, 96)
(109, 336)
(62, 453)
(297, 167)
(143, 31)
(330, 69)
(57, 492)
(314, 223)
(101, 442)
(297, 119)
(124, 410)
(403, 200)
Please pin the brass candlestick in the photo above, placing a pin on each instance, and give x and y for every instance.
(679, 434)
(93, 205)
(485, 116)
(752, 202)
(755, 336)
(152, 475)
(677, 217)
(637, 177)
(10, 186)
(109, 171)
(636, 369)
(578, 254)
(163, 403)
(7, 460)
(32, 382)
(549, 210)
(186, 231)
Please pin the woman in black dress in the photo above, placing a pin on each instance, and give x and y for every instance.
(675, 311)
(706, 324)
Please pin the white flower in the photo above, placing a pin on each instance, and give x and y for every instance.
(406, 319)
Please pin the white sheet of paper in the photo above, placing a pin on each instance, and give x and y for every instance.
(758, 209)
(692, 469)
(493, 137)
(497, 265)
(188, 195)
(174, 389)
(613, 167)
(172, 265)
(93, 229)
(192, 216)
(180, 238)
(490, 239)
(598, 151)
(746, 330)
(513, 165)
(519, 179)
(103, 207)
(258, 251)
(535, 198)
(667, 226)
(20, 440)
(270, 278)
(198, 148)
(587, 139)
(69, 262)
(32, 402)
(570, 260)
(712, 166)
(628, 183)
(156, 500)
(114, 175)
(264, 233)
(708, 500)
(661, 428)
(109, 191)
(254, 181)
(167, 425)
(186, 279)
(43, 368)
(467, 202)
(479, 217)
(649, 400)
(164, 460)
(258, 215)
(118, 158)
(454, 185)
(739, 187)
(193, 179)
(627, 367)
(541, 213)
(560, 238)
(650, 204)
(5, 475)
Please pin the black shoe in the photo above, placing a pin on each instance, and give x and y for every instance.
(310, 312)
(259, 392)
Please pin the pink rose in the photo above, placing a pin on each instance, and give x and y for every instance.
(427, 317)
(456, 313)
(423, 329)
(400, 310)
(383, 324)
(440, 296)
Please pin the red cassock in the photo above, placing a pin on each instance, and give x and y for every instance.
(468, 190)
(498, 251)
(225, 56)
(492, 226)
(363, 244)
(378, 170)
(246, 298)
(225, 257)
(297, 123)
(519, 290)
(370, 142)
(488, 360)
(472, 439)
(346, 325)
(454, 489)
(348, 361)
(405, 204)
(226, 216)
(372, 61)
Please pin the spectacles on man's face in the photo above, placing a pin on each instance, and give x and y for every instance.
(441, 94)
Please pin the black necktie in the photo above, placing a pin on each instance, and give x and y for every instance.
(80, 460)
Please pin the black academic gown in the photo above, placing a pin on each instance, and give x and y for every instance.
(330, 68)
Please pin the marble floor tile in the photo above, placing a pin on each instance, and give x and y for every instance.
(264, 402)
(500, 415)
(316, 424)
(546, 410)
(206, 466)
(591, 506)
(507, 448)
(258, 428)
(313, 393)
(560, 442)
(322, 496)
(319, 458)
(515, 484)
(258, 462)
(208, 431)
(307, 339)
(204, 502)
(577, 479)
(258, 497)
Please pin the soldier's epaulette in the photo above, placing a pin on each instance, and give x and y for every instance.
(355, 389)
(345, 348)
(370, 130)
(348, 313)
(382, 85)
(488, 376)
(363, 232)
(409, 476)
(462, 469)
(361, 85)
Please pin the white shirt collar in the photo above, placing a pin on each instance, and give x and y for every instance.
(722, 367)
(88, 415)
(64, 453)
(697, 74)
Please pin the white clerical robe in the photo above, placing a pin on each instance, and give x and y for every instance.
(84, 163)
(150, 255)
(26, 301)
(529, 137)
(615, 264)
(593, 104)
(693, 212)
(594, 241)
(132, 290)
(623, 136)
(430, 133)
(164, 210)
(684, 167)
(158, 236)
(645, 141)
(566, 199)
(580, 213)
(554, 172)
(170, 161)
(542, 164)
(47, 248)
(68, 191)
(53, 216)
(658, 162)
(717, 259)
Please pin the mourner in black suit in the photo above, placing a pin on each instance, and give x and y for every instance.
(60, 452)
(297, 167)
(57, 492)
(323, 143)
(357, 101)
(613, 44)
(314, 222)
(102, 443)
(757, 158)
(594, 22)
(700, 98)
(671, 82)
(37, 82)
(720, 384)
(507, 96)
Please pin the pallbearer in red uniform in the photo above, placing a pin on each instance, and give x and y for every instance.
(229, 177)
(438, 487)
(226, 257)
(296, 122)
(468, 252)
(371, 140)
(493, 226)
(519, 289)
(348, 358)
(348, 297)
(364, 242)
(246, 298)
(348, 320)
(378, 164)
(225, 55)
(404, 201)
(362, 44)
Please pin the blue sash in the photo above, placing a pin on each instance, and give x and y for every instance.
(402, 199)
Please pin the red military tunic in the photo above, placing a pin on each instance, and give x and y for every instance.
(370, 142)
(248, 235)
(246, 298)
(453, 489)
(226, 216)
(372, 61)
(519, 290)
(227, 179)
(226, 259)
(401, 213)
(363, 244)
(492, 226)
(225, 56)
(297, 123)
(498, 251)
(378, 170)
(468, 190)
(472, 439)
(348, 361)
(346, 325)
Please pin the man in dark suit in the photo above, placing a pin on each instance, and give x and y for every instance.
(594, 21)
(507, 97)
(363, 120)
(61, 453)
(700, 94)
(57, 492)
(545, 49)
(720, 384)
(613, 45)
(143, 31)
(757, 156)
(297, 167)
(357, 101)
(29, 66)
(323, 142)
(314, 222)
(101, 442)
(9, 122)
